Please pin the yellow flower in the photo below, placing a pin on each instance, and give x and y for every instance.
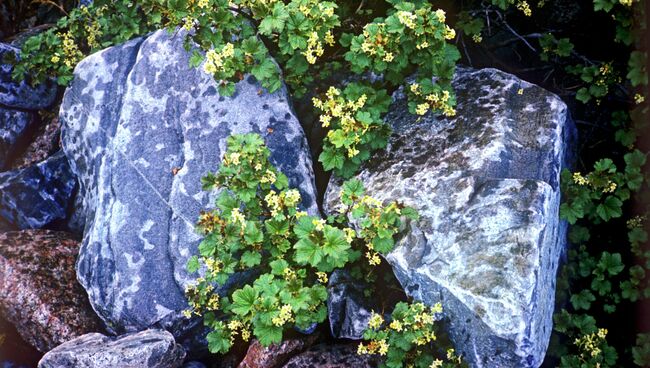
(388, 57)
(203, 3)
(55, 59)
(477, 38)
(520, 91)
(352, 151)
(440, 14)
(329, 38)
(449, 33)
(525, 8)
(245, 335)
(325, 120)
(422, 109)
(375, 321)
(436, 364)
(322, 277)
(319, 223)
(396, 325)
(383, 347)
(638, 98)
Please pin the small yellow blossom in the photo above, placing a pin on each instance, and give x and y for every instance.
(388, 57)
(375, 321)
(477, 38)
(440, 14)
(203, 3)
(396, 325)
(422, 109)
(322, 277)
(524, 8)
(520, 91)
(55, 59)
(638, 98)
(319, 223)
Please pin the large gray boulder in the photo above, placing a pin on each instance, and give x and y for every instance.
(486, 184)
(140, 128)
(146, 349)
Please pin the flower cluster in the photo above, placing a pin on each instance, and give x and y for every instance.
(408, 338)
(343, 112)
(590, 344)
(214, 61)
(432, 100)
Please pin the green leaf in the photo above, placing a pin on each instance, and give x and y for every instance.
(307, 252)
(610, 208)
(583, 95)
(582, 300)
(252, 233)
(611, 263)
(244, 300)
(265, 70)
(218, 343)
(331, 159)
(251, 259)
(267, 334)
(571, 213)
(193, 264)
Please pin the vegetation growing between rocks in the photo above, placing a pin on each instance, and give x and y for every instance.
(258, 231)
(313, 40)
(242, 36)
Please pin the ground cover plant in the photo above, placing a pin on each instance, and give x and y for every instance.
(389, 45)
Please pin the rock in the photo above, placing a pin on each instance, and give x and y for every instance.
(44, 145)
(486, 184)
(275, 355)
(140, 128)
(332, 356)
(146, 349)
(37, 195)
(14, 125)
(194, 364)
(347, 308)
(39, 292)
(20, 95)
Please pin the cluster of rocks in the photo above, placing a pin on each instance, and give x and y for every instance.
(139, 128)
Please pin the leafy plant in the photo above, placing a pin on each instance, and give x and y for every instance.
(257, 227)
(407, 340)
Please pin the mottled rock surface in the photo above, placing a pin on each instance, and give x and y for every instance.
(37, 195)
(20, 95)
(140, 129)
(486, 184)
(39, 292)
(332, 356)
(146, 349)
(347, 308)
(276, 355)
(14, 125)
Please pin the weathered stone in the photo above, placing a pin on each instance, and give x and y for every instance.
(347, 308)
(39, 292)
(332, 356)
(13, 126)
(486, 184)
(140, 128)
(37, 195)
(146, 349)
(276, 355)
(21, 95)
(41, 147)
(194, 364)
